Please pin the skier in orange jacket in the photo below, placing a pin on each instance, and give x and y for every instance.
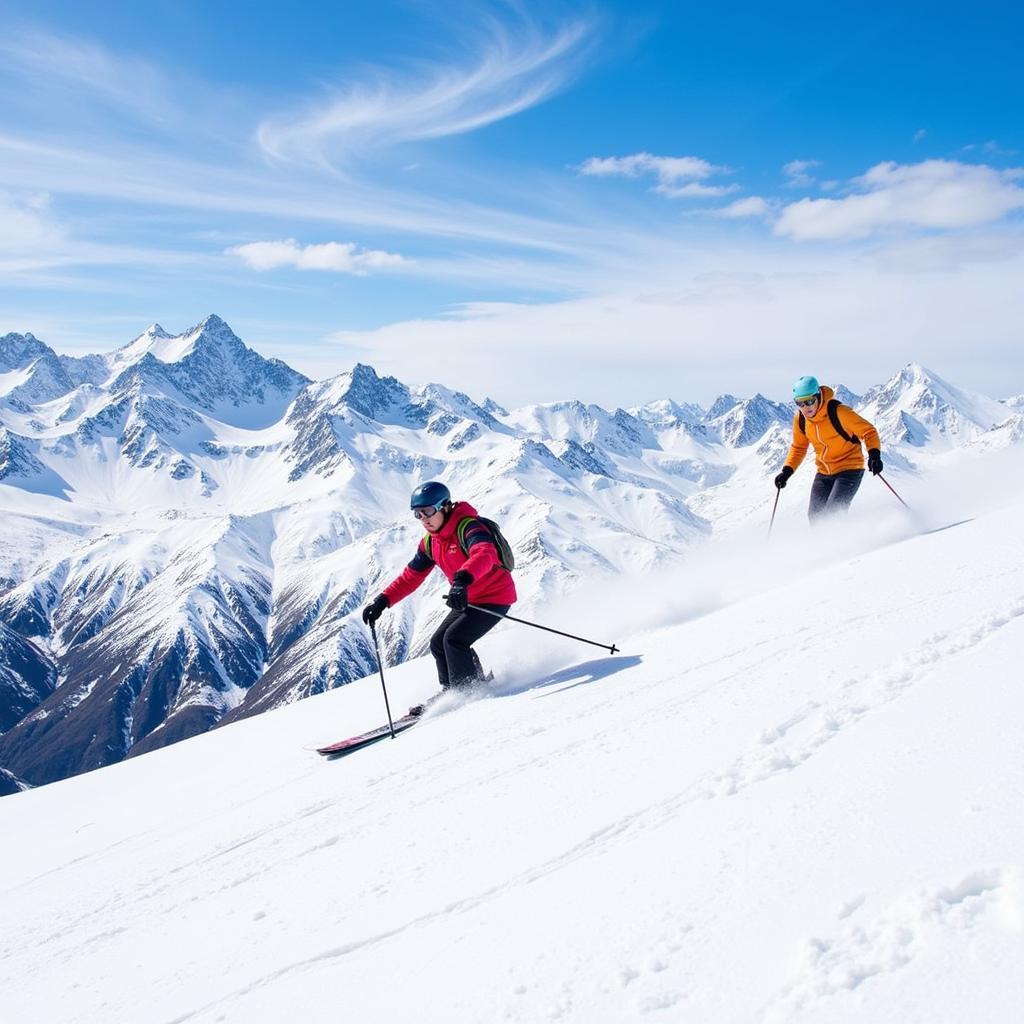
(836, 433)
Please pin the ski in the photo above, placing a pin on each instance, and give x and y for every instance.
(383, 732)
(365, 739)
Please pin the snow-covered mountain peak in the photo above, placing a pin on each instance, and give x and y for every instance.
(669, 414)
(30, 371)
(211, 334)
(721, 405)
(573, 421)
(916, 405)
(848, 397)
(154, 341)
(361, 390)
(458, 404)
(748, 421)
(491, 406)
(211, 367)
(18, 350)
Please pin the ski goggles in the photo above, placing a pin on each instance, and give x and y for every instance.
(806, 403)
(424, 513)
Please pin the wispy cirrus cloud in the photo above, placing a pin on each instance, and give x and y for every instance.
(513, 68)
(339, 257)
(934, 194)
(86, 77)
(27, 225)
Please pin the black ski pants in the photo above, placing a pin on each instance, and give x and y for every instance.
(451, 644)
(833, 494)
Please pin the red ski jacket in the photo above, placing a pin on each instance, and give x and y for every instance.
(492, 582)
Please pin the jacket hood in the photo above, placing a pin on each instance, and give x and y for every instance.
(827, 394)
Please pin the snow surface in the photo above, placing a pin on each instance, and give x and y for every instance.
(793, 797)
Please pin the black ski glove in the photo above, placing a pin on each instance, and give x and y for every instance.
(458, 598)
(780, 480)
(375, 609)
(875, 461)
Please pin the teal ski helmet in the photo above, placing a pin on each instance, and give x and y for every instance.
(430, 494)
(806, 387)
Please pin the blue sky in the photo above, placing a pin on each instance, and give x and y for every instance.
(610, 202)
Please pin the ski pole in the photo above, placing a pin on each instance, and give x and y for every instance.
(891, 488)
(380, 667)
(778, 491)
(611, 648)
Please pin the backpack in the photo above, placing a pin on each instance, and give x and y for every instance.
(833, 415)
(505, 554)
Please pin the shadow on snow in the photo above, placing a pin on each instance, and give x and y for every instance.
(569, 678)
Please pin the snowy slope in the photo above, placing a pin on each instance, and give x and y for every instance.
(794, 797)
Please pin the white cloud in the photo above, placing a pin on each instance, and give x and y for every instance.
(750, 206)
(696, 190)
(340, 257)
(796, 173)
(516, 68)
(920, 134)
(735, 324)
(934, 194)
(669, 170)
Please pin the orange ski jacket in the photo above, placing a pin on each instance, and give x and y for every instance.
(832, 453)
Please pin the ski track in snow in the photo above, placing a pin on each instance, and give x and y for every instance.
(794, 740)
(826, 967)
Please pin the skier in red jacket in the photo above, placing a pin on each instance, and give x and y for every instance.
(476, 576)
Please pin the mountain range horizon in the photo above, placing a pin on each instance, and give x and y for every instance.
(193, 527)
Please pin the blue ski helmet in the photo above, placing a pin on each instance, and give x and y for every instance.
(805, 387)
(430, 494)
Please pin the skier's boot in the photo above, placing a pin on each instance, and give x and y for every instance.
(418, 709)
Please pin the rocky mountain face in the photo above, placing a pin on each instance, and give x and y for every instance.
(17, 458)
(27, 677)
(198, 526)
